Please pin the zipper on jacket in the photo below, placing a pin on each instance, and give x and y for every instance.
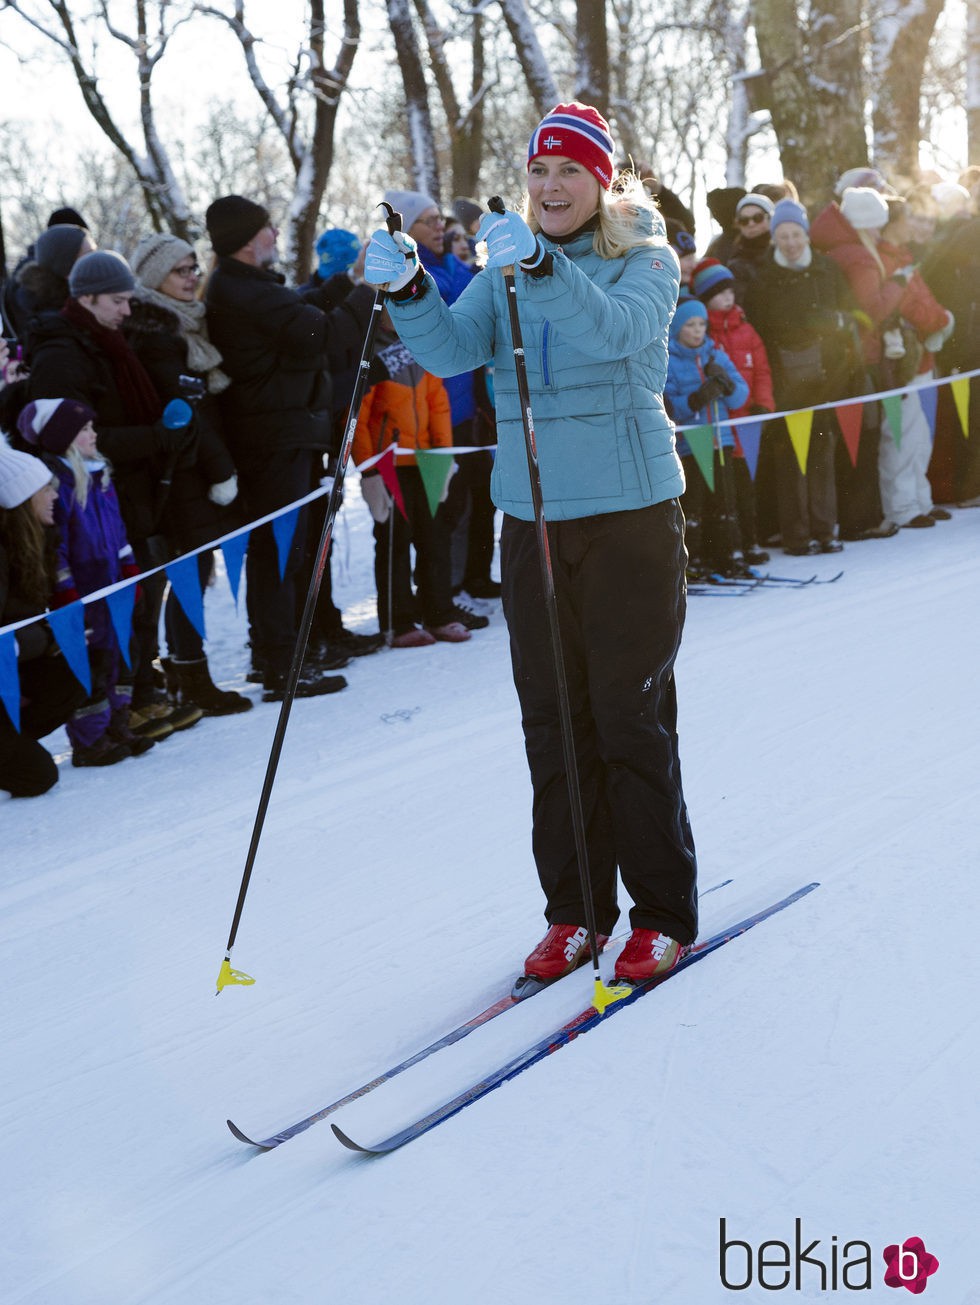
(545, 336)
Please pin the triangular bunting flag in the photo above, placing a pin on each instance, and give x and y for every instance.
(928, 395)
(434, 468)
(120, 606)
(893, 411)
(68, 625)
(701, 440)
(961, 397)
(800, 424)
(9, 679)
(388, 473)
(849, 418)
(186, 583)
(284, 528)
(750, 437)
(233, 551)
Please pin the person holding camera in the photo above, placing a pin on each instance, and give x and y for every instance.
(703, 387)
(167, 330)
(81, 353)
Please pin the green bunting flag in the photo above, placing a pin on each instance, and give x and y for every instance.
(701, 440)
(892, 405)
(434, 468)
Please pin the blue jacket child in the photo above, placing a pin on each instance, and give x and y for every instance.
(703, 384)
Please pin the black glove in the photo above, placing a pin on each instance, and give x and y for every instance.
(717, 373)
(706, 393)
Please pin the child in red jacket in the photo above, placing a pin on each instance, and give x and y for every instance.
(730, 330)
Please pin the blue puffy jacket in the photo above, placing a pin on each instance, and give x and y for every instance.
(595, 342)
(685, 373)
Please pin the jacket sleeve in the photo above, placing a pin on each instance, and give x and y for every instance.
(878, 296)
(440, 419)
(449, 340)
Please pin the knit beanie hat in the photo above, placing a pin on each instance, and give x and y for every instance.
(865, 177)
(336, 250)
(951, 198)
(709, 278)
(103, 273)
(57, 248)
(21, 476)
(232, 221)
(156, 256)
(752, 200)
(579, 132)
(788, 210)
(467, 211)
(722, 203)
(685, 310)
(67, 217)
(411, 204)
(864, 208)
(53, 423)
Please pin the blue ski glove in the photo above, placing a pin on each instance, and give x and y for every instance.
(509, 240)
(390, 260)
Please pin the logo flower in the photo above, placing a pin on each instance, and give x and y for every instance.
(909, 1265)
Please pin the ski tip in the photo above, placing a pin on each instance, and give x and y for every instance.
(244, 1137)
(350, 1144)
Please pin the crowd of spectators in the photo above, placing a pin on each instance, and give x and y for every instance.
(152, 404)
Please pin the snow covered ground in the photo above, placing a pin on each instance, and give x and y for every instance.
(822, 1068)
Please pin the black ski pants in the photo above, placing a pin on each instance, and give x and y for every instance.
(619, 579)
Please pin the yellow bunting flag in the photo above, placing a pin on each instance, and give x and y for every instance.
(849, 419)
(961, 397)
(799, 424)
(701, 440)
(892, 405)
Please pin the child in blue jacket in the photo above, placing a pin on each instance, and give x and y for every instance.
(703, 387)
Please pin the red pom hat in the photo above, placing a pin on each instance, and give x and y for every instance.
(578, 132)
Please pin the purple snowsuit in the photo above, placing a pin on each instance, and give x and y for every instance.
(92, 552)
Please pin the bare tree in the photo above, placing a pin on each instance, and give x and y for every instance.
(973, 83)
(304, 112)
(154, 23)
(900, 34)
(592, 54)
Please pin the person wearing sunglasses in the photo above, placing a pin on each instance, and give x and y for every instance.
(753, 214)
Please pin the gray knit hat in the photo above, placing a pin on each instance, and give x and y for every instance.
(57, 248)
(411, 204)
(103, 273)
(156, 257)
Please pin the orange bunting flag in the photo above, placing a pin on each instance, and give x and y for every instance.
(961, 397)
(892, 405)
(799, 424)
(849, 419)
(387, 472)
(701, 440)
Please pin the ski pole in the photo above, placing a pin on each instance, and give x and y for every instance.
(226, 974)
(603, 995)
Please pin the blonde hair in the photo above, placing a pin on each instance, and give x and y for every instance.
(82, 476)
(867, 239)
(628, 218)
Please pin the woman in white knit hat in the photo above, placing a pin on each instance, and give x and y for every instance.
(47, 691)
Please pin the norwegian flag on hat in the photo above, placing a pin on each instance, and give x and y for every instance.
(579, 132)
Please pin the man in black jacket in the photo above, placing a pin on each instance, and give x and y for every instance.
(279, 347)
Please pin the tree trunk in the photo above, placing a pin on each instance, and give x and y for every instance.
(534, 65)
(973, 83)
(418, 124)
(592, 55)
(899, 44)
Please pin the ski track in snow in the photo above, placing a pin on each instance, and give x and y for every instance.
(824, 1066)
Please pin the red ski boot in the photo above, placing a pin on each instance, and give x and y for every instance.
(563, 948)
(647, 953)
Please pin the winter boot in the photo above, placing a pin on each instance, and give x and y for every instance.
(197, 689)
(449, 632)
(119, 732)
(647, 953)
(563, 948)
(309, 685)
(103, 752)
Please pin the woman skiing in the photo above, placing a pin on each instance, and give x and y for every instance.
(596, 285)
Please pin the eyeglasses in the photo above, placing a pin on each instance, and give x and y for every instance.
(435, 221)
(750, 219)
(188, 269)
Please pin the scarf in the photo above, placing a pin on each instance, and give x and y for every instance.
(202, 357)
(140, 400)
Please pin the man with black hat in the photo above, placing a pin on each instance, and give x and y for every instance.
(279, 347)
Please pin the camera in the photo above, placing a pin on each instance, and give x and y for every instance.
(717, 373)
(192, 388)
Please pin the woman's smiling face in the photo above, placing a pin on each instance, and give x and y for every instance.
(563, 194)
